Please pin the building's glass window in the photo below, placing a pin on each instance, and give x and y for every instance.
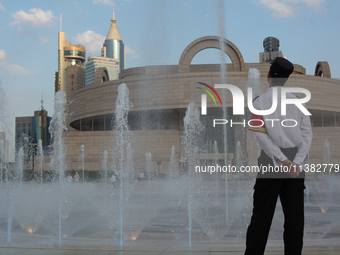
(160, 126)
(74, 62)
(18, 131)
(29, 124)
(317, 121)
(325, 119)
(74, 53)
(337, 119)
(24, 130)
(18, 124)
(23, 124)
(328, 119)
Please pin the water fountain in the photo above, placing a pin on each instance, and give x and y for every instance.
(40, 159)
(248, 138)
(187, 209)
(254, 82)
(239, 158)
(20, 164)
(121, 130)
(149, 170)
(6, 128)
(319, 185)
(58, 160)
(2, 162)
(223, 70)
(184, 211)
(193, 128)
(104, 166)
(326, 159)
(81, 158)
(172, 162)
(9, 205)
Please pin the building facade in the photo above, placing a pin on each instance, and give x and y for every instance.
(112, 56)
(160, 96)
(271, 47)
(30, 129)
(23, 130)
(71, 68)
(111, 64)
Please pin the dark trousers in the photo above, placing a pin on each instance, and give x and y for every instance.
(266, 192)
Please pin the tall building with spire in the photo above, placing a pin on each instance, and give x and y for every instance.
(71, 68)
(41, 123)
(112, 56)
(113, 46)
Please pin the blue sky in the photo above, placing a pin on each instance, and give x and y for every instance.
(154, 32)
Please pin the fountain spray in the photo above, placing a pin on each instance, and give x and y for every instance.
(58, 160)
(193, 128)
(223, 70)
(81, 158)
(40, 159)
(123, 138)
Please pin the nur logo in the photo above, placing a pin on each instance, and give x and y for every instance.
(204, 97)
(238, 99)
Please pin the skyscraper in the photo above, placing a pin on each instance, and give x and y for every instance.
(71, 68)
(111, 64)
(40, 126)
(31, 129)
(271, 50)
(112, 56)
(113, 46)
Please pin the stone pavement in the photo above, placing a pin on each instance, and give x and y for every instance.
(33, 249)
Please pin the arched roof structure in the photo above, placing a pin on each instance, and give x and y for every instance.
(207, 42)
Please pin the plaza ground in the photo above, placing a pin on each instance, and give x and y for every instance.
(16, 249)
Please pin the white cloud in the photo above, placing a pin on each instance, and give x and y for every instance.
(12, 69)
(2, 55)
(2, 8)
(186, 5)
(290, 8)
(105, 2)
(316, 4)
(280, 9)
(43, 39)
(130, 51)
(34, 17)
(92, 41)
(312, 3)
(16, 98)
(24, 32)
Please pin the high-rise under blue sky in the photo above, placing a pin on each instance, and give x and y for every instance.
(154, 32)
